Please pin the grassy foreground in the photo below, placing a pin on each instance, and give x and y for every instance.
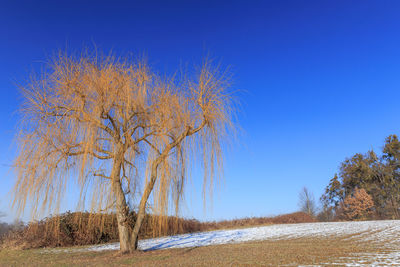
(302, 251)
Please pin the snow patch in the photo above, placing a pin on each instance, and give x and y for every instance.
(379, 232)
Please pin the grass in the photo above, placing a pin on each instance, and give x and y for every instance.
(302, 251)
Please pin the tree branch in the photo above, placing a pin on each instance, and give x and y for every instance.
(101, 175)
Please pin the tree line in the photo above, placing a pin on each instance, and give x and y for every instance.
(367, 186)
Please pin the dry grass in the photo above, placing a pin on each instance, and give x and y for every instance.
(78, 229)
(304, 251)
(296, 217)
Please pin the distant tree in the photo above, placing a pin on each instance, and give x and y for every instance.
(357, 207)
(116, 125)
(4, 227)
(7, 227)
(326, 213)
(379, 176)
(390, 175)
(307, 202)
(334, 193)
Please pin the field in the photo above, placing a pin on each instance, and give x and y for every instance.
(373, 243)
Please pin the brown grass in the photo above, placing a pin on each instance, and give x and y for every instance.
(296, 217)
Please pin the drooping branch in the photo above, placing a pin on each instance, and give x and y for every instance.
(91, 112)
(71, 154)
(102, 175)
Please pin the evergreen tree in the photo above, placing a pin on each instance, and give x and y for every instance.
(378, 176)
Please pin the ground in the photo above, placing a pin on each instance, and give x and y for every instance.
(375, 243)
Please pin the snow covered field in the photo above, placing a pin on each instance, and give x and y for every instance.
(385, 234)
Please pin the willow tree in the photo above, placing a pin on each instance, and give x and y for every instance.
(126, 135)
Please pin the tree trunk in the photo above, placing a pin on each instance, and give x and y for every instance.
(124, 229)
(394, 208)
(142, 206)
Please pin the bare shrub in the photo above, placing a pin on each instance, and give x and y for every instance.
(296, 217)
(73, 229)
(326, 214)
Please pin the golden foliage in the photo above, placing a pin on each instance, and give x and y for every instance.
(121, 130)
(357, 207)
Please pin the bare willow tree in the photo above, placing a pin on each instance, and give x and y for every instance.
(126, 134)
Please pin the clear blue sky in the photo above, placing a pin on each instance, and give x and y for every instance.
(321, 79)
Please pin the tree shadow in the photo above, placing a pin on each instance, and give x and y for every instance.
(197, 239)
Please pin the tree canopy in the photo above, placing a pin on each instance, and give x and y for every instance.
(122, 131)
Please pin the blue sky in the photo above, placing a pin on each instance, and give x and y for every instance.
(319, 79)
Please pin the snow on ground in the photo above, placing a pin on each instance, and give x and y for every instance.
(379, 232)
(382, 231)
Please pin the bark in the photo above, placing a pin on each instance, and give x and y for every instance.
(395, 208)
(153, 176)
(142, 206)
(124, 228)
